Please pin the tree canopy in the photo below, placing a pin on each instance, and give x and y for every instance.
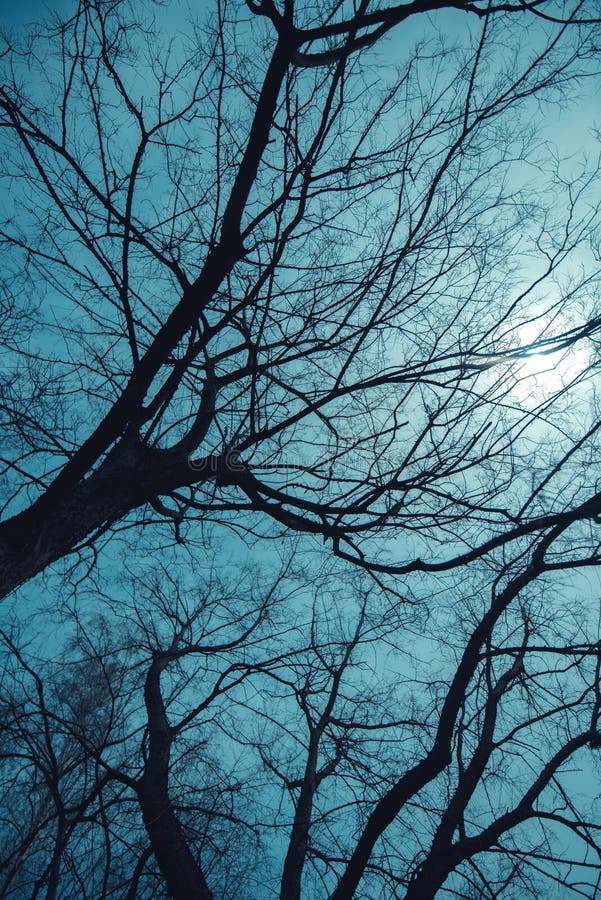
(300, 535)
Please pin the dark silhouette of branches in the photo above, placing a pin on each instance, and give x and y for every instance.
(337, 744)
(249, 358)
(300, 514)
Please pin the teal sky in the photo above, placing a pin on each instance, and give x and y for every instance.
(571, 126)
(25, 11)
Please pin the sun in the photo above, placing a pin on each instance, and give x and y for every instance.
(543, 364)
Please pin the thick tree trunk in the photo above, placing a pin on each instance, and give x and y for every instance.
(299, 837)
(182, 874)
(77, 503)
(180, 870)
(430, 879)
(131, 475)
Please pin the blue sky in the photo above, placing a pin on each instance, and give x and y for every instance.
(25, 11)
(17, 15)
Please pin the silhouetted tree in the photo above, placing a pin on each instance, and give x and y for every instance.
(231, 740)
(311, 276)
(279, 282)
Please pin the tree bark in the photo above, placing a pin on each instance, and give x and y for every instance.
(299, 837)
(131, 476)
(430, 879)
(183, 875)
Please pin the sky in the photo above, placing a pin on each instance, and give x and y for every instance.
(18, 14)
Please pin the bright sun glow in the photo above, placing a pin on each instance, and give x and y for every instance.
(547, 370)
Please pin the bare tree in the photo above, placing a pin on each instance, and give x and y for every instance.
(306, 736)
(97, 732)
(52, 788)
(279, 283)
(307, 271)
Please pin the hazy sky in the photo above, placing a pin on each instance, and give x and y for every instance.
(23, 11)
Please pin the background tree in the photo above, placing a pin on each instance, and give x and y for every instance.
(261, 283)
(301, 740)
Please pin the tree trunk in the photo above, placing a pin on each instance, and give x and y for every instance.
(182, 874)
(180, 870)
(299, 837)
(72, 508)
(131, 475)
(429, 880)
